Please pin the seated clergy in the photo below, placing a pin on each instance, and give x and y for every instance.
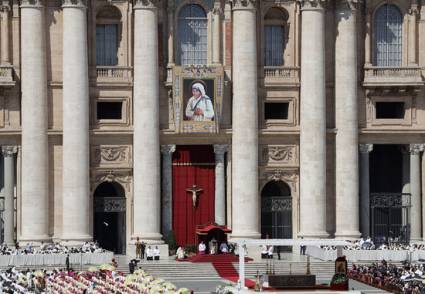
(270, 251)
(224, 248)
(156, 253)
(201, 248)
(180, 253)
(264, 251)
(149, 253)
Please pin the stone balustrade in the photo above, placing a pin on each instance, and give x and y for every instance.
(383, 76)
(114, 74)
(281, 75)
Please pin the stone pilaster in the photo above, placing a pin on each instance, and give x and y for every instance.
(5, 11)
(217, 16)
(412, 37)
(9, 195)
(313, 122)
(76, 177)
(146, 163)
(220, 184)
(415, 191)
(35, 196)
(346, 113)
(167, 187)
(245, 202)
(170, 11)
(365, 149)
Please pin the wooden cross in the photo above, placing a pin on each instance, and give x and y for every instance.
(194, 190)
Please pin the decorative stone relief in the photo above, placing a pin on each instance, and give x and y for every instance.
(111, 155)
(313, 3)
(122, 177)
(9, 150)
(280, 155)
(247, 4)
(416, 149)
(365, 148)
(288, 176)
(31, 3)
(74, 3)
(351, 4)
(146, 3)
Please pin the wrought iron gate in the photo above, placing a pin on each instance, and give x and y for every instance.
(390, 217)
(276, 217)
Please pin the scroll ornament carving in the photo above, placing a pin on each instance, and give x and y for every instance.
(168, 149)
(9, 150)
(74, 3)
(313, 3)
(110, 176)
(244, 4)
(111, 154)
(283, 175)
(146, 3)
(365, 148)
(279, 153)
(416, 149)
(31, 3)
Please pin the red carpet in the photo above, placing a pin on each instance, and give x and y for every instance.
(223, 265)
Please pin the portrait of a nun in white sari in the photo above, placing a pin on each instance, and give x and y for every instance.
(199, 107)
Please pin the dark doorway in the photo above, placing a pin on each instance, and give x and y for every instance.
(276, 211)
(109, 217)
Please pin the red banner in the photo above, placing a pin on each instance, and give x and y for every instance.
(193, 167)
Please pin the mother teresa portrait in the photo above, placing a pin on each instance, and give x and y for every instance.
(199, 107)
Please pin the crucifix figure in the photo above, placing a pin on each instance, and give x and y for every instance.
(194, 190)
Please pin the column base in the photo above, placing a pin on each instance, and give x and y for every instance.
(347, 235)
(34, 240)
(163, 250)
(417, 240)
(245, 235)
(148, 238)
(314, 235)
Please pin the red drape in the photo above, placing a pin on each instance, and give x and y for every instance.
(192, 165)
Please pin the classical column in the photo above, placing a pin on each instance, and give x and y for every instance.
(368, 39)
(365, 149)
(9, 195)
(146, 163)
(220, 185)
(35, 189)
(217, 12)
(347, 154)
(170, 10)
(413, 12)
(415, 191)
(405, 179)
(76, 178)
(5, 10)
(245, 201)
(313, 121)
(167, 187)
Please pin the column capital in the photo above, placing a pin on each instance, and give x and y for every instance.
(5, 6)
(416, 149)
(146, 4)
(217, 10)
(9, 150)
(244, 4)
(74, 3)
(365, 148)
(313, 4)
(220, 149)
(168, 149)
(31, 3)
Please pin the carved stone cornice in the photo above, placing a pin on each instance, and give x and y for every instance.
(313, 4)
(168, 149)
(244, 4)
(416, 149)
(74, 3)
(220, 149)
(365, 148)
(31, 3)
(9, 150)
(146, 4)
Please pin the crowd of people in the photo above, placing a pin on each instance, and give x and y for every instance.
(368, 244)
(50, 248)
(408, 278)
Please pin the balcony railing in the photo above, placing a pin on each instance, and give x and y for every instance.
(6, 75)
(113, 74)
(281, 75)
(392, 76)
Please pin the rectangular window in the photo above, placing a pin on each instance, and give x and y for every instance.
(276, 110)
(390, 110)
(107, 44)
(273, 45)
(109, 110)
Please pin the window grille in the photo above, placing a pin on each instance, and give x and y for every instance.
(273, 45)
(107, 44)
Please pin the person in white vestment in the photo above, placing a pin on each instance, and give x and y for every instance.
(156, 253)
(201, 248)
(199, 107)
(149, 253)
(180, 253)
(224, 248)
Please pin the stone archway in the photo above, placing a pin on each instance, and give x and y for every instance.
(109, 223)
(276, 210)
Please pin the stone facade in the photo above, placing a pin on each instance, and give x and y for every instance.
(61, 150)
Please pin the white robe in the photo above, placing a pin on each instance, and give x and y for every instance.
(204, 103)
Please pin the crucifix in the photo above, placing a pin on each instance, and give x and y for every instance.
(194, 190)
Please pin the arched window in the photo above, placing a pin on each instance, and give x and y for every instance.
(107, 36)
(388, 23)
(274, 37)
(192, 41)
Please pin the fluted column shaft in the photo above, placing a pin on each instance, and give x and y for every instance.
(313, 122)
(76, 179)
(347, 154)
(220, 185)
(9, 195)
(365, 149)
(167, 187)
(415, 191)
(245, 202)
(147, 189)
(35, 197)
(5, 59)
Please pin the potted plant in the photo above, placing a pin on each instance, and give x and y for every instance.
(339, 282)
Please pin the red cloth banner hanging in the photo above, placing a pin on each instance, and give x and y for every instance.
(192, 165)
